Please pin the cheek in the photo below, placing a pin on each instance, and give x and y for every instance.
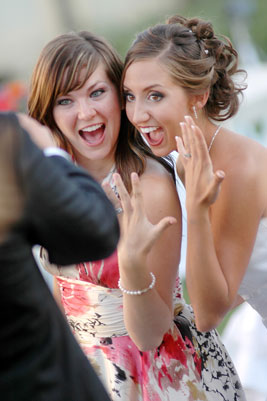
(57, 114)
(54, 112)
(64, 118)
(112, 110)
(129, 108)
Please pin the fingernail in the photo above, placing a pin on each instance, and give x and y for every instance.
(134, 176)
(115, 177)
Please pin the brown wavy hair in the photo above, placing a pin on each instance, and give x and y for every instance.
(58, 71)
(197, 60)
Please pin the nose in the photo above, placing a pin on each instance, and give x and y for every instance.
(86, 110)
(140, 114)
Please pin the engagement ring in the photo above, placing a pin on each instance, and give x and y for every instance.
(187, 155)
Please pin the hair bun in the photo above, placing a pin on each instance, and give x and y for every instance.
(202, 29)
(177, 19)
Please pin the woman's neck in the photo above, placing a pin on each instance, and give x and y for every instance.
(98, 169)
(208, 129)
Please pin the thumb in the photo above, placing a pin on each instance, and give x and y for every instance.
(216, 185)
(219, 176)
(159, 228)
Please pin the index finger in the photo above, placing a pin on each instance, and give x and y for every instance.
(123, 193)
(201, 145)
(137, 193)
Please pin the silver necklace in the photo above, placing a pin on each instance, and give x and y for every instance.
(214, 136)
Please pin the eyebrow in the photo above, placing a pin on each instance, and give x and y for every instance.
(97, 83)
(147, 87)
(89, 87)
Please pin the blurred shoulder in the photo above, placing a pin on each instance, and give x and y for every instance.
(156, 174)
(159, 189)
(155, 169)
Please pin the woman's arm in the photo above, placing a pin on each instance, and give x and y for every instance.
(221, 234)
(148, 246)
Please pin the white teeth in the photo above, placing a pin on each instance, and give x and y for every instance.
(147, 130)
(92, 128)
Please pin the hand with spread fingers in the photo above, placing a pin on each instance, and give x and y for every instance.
(202, 184)
(147, 272)
(40, 134)
(138, 233)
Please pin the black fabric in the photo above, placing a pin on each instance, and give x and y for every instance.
(67, 212)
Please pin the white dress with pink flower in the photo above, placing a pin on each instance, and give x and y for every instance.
(188, 365)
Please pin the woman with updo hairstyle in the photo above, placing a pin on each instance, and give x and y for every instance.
(180, 82)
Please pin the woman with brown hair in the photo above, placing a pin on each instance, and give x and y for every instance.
(180, 82)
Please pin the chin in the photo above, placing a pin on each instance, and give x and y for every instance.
(160, 151)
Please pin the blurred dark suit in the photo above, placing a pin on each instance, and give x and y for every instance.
(46, 201)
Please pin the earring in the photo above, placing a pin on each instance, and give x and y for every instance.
(195, 112)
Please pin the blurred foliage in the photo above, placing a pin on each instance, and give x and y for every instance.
(258, 28)
(219, 12)
(121, 38)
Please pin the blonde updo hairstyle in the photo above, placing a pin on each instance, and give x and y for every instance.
(196, 59)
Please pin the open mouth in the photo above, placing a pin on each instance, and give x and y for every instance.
(93, 135)
(154, 135)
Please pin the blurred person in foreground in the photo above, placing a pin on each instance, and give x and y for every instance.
(43, 199)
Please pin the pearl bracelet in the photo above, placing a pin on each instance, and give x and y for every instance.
(138, 292)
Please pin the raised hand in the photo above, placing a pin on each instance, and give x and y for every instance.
(40, 134)
(137, 233)
(202, 184)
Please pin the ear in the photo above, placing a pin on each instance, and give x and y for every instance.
(199, 101)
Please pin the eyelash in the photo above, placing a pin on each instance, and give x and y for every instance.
(158, 95)
(66, 101)
(97, 90)
(61, 102)
(127, 95)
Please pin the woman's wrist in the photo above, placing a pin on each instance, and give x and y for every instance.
(138, 291)
(134, 280)
(198, 215)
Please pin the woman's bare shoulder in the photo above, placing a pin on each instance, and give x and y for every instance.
(158, 186)
(240, 155)
(244, 161)
(155, 169)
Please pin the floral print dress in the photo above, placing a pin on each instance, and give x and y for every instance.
(188, 365)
